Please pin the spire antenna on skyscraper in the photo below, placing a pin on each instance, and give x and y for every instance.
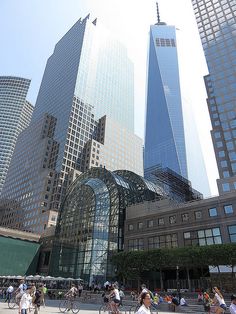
(158, 16)
(158, 13)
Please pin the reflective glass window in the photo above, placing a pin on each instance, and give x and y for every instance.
(232, 233)
(225, 187)
(228, 209)
(212, 212)
(209, 236)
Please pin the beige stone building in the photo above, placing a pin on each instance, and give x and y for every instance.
(116, 148)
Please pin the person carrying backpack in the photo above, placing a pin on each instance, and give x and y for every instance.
(174, 302)
(37, 298)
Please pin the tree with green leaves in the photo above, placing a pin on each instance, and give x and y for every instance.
(131, 265)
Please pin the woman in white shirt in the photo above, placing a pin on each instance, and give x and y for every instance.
(25, 302)
(145, 301)
(219, 301)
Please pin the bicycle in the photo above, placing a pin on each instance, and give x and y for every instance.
(69, 304)
(213, 309)
(108, 307)
(12, 301)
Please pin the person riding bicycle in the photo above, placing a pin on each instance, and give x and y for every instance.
(10, 290)
(207, 302)
(71, 294)
(219, 301)
(20, 290)
(115, 298)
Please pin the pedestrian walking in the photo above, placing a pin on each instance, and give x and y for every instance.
(200, 297)
(232, 307)
(174, 302)
(145, 302)
(36, 299)
(25, 302)
(80, 289)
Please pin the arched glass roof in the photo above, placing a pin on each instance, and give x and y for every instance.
(91, 222)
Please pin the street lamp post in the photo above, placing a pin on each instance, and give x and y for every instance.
(177, 279)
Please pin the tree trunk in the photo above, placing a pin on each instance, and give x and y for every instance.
(161, 280)
(138, 289)
(219, 276)
(189, 281)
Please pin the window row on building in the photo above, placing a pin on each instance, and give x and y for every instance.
(183, 217)
(199, 237)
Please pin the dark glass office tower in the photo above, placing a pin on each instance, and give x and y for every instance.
(164, 137)
(216, 22)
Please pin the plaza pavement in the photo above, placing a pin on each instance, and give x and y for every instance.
(52, 307)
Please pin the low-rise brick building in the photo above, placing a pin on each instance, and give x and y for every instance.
(163, 223)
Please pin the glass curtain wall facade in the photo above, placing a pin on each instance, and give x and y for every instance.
(89, 63)
(216, 24)
(91, 224)
(15, 116)
(89, 71)
(164, 134)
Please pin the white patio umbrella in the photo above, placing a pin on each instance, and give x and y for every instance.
(37, 277)
(29, 277)
(59, 278)
(48, 278)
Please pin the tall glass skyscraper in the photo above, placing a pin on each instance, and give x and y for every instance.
(164, 137)
(15, 116)
(89, 74)
(90, 64)
(216, 22)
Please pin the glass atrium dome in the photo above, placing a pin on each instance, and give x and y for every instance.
(91, 222)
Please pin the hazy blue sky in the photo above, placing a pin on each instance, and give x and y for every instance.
(29, 30)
